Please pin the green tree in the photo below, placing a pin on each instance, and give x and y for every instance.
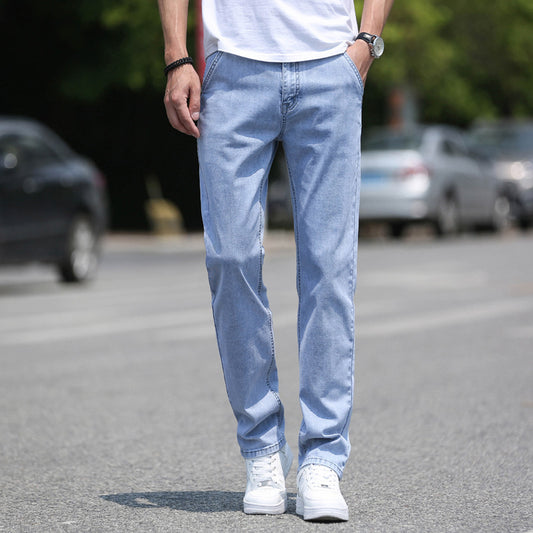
(84, 49)
(462, 59)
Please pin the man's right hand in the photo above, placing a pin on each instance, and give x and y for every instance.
(182, 99)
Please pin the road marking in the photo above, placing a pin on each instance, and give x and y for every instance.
(425, 279)
(405, 325)
(197, 323)
(108, 308)
(99, 296)
(122, 325)
(42, 319)
(444, 318)
(280, 320)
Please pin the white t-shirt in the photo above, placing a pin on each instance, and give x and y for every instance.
(279, 30)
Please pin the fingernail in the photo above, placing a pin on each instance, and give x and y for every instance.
(195, 115)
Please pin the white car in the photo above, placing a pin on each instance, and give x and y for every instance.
(427, 174)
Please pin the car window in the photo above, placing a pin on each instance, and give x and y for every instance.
(36, 150)
(452, 148)
(24, 151)
(503, 139)
(392, 140)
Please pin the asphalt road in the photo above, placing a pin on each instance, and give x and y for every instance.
(114, 416)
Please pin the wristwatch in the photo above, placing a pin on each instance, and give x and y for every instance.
(375, 43)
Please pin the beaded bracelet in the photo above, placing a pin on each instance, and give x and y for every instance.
(178, 63)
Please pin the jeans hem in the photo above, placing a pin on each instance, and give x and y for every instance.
(324, 462)
(267, 450)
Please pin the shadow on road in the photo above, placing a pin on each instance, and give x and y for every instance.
(206, 501)
(30, 287)
(197, 501)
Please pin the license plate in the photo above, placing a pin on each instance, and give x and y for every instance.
(373, 176)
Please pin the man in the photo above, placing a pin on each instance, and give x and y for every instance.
(289, 71)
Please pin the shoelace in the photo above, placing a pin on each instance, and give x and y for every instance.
(263, 471)
(321, 477)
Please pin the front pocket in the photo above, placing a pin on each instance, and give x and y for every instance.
(354, 70)
(210, 66)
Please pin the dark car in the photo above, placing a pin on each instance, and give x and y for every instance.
(509, 143)
(53, 205)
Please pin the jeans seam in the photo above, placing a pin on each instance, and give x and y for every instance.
(352, 292)
(297, 241)
(259, 292)
(281, 105)
(296, 97)
(211, 71)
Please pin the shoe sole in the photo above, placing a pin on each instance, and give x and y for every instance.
(255, 508)
(322, 514)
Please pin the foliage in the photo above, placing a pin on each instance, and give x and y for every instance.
(84, 49)
(463, 59)
(128, 53)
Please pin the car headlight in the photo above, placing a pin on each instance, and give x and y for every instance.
(522, 172)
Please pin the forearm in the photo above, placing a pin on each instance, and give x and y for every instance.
(373, 18)
(174, 22)
(375, 13)
(182, 94)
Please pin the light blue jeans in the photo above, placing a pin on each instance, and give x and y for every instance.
(314, 109)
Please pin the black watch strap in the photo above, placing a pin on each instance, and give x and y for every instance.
(367, 37)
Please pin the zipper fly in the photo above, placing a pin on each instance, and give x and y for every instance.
(290, 85)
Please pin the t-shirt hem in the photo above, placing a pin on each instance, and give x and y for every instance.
(307, 55)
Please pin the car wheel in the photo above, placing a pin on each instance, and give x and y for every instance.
(397, 230)
(525, 223)
(447, 221)
(501, 214)
(82, 252)
(524, 219)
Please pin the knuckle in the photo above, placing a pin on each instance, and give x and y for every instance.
(174, 98)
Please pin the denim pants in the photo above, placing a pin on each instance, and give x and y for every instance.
(314, 109)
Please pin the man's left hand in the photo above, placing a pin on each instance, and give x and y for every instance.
(359, 53)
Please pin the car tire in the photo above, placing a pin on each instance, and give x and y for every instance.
(447, 222)
(524, 219)
(82, 252)
(501, 214)
(525, 223)
(397, 229)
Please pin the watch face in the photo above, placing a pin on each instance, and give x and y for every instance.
(378, 47)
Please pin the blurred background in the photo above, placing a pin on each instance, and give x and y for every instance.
(92, 70)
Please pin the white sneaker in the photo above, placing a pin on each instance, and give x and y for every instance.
(319, 496)
(265, 489)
